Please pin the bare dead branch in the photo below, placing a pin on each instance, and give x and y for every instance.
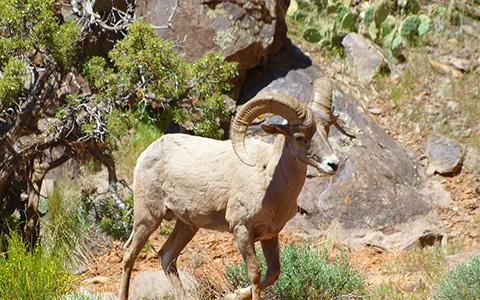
(170, 18)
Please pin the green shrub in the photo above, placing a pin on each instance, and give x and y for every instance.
(461, 283)
(133, 144)
(306, 274)
(35, 274)
(114, 221)
(148, 73)
(81, 296)
(25, 27)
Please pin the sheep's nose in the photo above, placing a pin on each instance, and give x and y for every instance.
(334, 166)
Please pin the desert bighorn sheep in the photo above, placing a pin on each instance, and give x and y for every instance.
(210, 184)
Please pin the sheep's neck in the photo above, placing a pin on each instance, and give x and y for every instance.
(283, 162)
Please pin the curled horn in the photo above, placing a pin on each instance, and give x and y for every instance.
(285, 106)
(321, 99)
(321, 103)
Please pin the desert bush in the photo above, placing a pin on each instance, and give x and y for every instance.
(148, 76)
(306, 274)
(80, 296)
(37, 274)
(461, 283)
(114, 221)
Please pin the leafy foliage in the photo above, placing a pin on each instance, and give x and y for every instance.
(461, 282)
(148, 73)
(33, 274)
(28, 27)
(307, 274)
(35, 53)
(115, 222)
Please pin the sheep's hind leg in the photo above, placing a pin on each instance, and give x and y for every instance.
(140, 234)
(177, 240)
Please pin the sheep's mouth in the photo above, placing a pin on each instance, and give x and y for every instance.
(324, 166)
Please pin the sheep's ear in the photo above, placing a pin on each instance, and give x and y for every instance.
(274, 129)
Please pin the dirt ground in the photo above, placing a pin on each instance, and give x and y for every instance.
(205, 254)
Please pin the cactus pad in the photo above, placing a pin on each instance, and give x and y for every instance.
(347, 21)
(372, 31)
(369, 15)
(312, 35)
(409, 26)
(424, 25)
(381, 13)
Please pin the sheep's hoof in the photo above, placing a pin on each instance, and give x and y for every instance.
(241, 294)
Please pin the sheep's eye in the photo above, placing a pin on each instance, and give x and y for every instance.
(299, 138)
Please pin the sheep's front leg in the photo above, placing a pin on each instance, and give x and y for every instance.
(245, 244)
(272, 257)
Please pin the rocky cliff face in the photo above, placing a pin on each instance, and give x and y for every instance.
(249, 32)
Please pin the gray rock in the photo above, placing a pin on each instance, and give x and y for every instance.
(154, 285)
(366, 58)
(460, 258)
(379, 187)
(472, 160)
(445, 156)
(249, 32)
(107, 296)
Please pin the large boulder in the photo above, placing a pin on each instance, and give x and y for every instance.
(248, 32)
(379, 188)
(155, 285)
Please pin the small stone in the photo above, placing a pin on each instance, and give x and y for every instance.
(445, 156)
(96, 280)
(366, 58)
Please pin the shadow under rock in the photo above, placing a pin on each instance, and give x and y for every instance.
(290, 57)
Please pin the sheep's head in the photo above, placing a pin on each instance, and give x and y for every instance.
(307, 129)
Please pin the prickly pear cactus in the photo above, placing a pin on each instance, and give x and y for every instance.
(387, 27)
(396, 45)
(408, 6)
(347, 21)
(372, 31)
(413, 6)
(424, 25)
(369, 12)
(312, 35)
(409, 26)
(381, 13)
(342, 11)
